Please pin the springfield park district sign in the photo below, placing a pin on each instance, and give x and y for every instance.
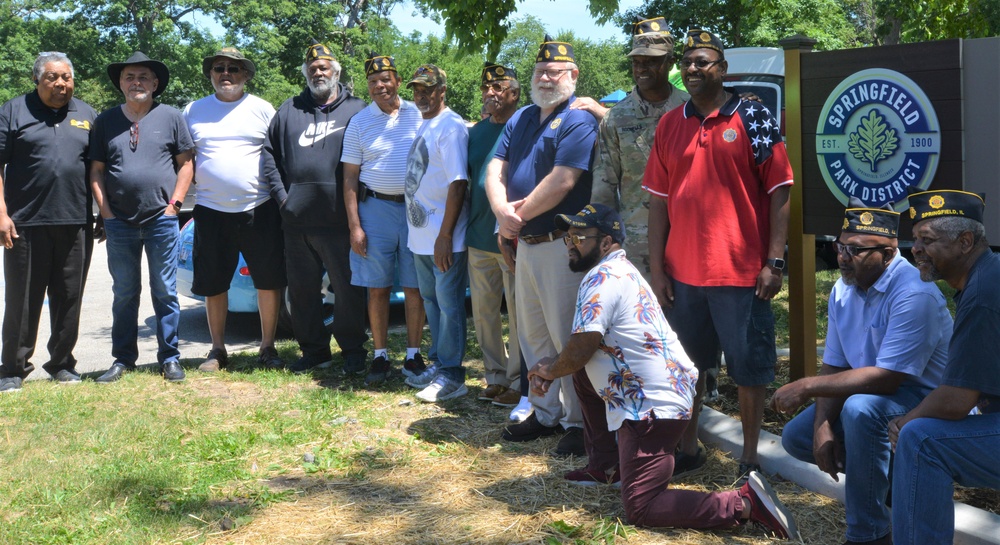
(877, 135)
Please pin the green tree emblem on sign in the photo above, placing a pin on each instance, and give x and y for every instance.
(874, 140)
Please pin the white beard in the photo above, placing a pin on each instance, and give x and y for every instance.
(549, 95)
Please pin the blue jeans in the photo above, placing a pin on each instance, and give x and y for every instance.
(862, 427)
(932, 455)
(444, 302)
(125, 243)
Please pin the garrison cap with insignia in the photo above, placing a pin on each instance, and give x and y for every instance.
(552, 51)
(646, 26)
(858, 218)
(946, 202)
(605, 218)
(697, 38)
(495, 72)
(379, 63)
(318, 51)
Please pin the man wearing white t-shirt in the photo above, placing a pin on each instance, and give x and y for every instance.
(437, 216)
(235, 212)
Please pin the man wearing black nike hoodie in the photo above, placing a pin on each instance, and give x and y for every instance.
(304, 141)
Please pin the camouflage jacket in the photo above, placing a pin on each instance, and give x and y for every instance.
(625, 140)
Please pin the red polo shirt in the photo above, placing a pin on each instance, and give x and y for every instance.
(717, 174)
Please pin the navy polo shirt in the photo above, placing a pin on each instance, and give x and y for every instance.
(45, 152)
(973, 357)
(532, 147)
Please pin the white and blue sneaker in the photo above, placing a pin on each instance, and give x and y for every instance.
(441, 389)
(423, 379)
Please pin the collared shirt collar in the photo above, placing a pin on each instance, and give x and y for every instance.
(727, 109)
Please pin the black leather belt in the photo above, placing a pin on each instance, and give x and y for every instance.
(544, 237)
(384, 196)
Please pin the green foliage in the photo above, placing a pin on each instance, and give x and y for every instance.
(873, 141)
(605, 532)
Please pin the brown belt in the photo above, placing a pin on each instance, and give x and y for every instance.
(545, 237)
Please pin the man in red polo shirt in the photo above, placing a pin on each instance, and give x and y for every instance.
(719, 178)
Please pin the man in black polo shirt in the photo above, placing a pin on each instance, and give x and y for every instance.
(44, 219)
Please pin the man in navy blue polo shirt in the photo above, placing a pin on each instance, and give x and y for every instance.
(541, 169)
(44, 219)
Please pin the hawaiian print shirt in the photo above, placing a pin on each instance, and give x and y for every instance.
(640, 370)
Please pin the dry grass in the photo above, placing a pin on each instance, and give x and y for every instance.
(441, 474)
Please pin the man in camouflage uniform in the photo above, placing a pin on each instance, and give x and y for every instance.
(625, 136)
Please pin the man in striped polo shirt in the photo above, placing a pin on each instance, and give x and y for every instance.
(376, 144)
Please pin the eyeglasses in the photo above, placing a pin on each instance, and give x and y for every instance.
(231, 69)
(699, 64)
(133, 136)
(553, 73)
(854, 251)
(495, 87)
(576, 240)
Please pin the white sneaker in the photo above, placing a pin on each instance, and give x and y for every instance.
(441, 389)
(522, 411)
(423, 379)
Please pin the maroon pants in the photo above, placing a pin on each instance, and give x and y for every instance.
(645, 454)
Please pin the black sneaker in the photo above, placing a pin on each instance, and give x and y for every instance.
(354, 364)
(414, 366)
(10, 384)
(687, 463)
(743, 473)
(268, 358)
(529, 430)
(378, 371)
(308, 363)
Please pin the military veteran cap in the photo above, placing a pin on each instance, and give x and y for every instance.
(318, 51)
(646, 26)
(946, 202)
(379, 63)
(553, 51)
(858, 218)
(230, 53)
(605, 218)
(697, 38)
(429, 75)
(495, 72)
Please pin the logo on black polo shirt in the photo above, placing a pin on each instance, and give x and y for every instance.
(85, 125)
(877, 135)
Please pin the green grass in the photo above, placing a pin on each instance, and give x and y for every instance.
(144, 461)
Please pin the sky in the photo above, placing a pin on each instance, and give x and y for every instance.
(555, 15)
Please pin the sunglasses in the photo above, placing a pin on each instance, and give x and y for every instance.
(854, 251)
(230, 69)
(133, 136)
(700, 64)
(576, 240)
(495, 87)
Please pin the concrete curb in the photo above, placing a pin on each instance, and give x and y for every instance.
(972, 526)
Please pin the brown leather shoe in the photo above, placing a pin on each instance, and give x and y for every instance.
(491, 392)
(510, 398)
(217, 359)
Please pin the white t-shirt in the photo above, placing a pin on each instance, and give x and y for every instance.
(228, 138)
(378, 143)
(640, 365)
(438, 157)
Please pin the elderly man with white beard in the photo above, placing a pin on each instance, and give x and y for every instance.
(303, 147)
(542, 169)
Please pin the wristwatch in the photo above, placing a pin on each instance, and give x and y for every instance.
(176, 203)
(776, 263)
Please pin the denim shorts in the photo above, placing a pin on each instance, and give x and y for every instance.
(384, 223)
(732, 318)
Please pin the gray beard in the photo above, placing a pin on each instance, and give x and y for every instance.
(321, 91)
